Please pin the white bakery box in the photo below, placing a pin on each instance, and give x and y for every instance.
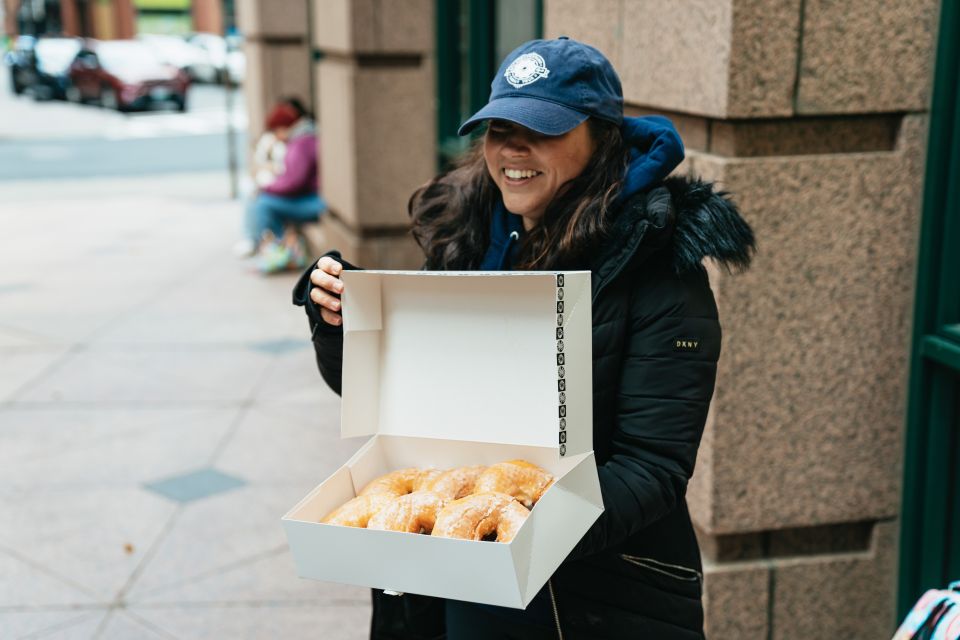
(450, 369)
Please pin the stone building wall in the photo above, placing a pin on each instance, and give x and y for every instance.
(812, 114)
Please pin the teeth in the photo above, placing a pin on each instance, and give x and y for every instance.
(516, 174)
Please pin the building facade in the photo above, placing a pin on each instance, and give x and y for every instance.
(815, 116)
(113, 19)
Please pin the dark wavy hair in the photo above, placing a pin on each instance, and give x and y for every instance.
(451, 214)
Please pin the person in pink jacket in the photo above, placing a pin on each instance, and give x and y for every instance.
(293, 197)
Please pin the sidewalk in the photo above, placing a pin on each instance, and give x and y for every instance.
(160, 410)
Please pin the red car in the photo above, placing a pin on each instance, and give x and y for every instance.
(125, 75)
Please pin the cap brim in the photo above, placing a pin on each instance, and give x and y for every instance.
(548, 118)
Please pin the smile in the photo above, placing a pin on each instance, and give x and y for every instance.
(519, 176)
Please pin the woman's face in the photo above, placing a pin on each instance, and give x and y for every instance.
(531, 168)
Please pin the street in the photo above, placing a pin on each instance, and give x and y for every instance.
(53, 139)
(160, 407)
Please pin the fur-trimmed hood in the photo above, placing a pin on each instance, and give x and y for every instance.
(684, 216)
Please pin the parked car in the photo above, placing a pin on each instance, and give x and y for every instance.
(194, 60)
(226, 54)
(39, 66)
(125, 75)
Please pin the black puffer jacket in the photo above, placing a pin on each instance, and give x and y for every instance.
(656, 341)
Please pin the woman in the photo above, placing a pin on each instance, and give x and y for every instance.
(292, 196)
(563, 181)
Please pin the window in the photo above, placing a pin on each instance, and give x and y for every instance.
(472, 37)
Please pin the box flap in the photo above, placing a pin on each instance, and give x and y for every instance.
(491, 357)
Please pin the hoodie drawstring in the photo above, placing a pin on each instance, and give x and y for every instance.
(505, 261)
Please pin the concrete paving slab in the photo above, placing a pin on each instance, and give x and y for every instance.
(165, 376)
(120, 625)
(26, 586)
(295, 380)
(94, 538)
(270, 580)
(15, 338)
(75, 449)
(215, 534)
(19, 367)
(255, 623)
(83, 629)
(24, 624)
(268, 448)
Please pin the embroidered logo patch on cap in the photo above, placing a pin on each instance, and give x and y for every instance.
(526, 69)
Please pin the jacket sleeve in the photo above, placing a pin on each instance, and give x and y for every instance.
(327, 338)
(666, 382)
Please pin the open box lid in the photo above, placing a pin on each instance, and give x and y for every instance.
(481, 356)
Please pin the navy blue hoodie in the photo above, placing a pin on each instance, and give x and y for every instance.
(655, 150)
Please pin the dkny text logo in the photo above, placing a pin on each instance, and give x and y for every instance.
(686, 344)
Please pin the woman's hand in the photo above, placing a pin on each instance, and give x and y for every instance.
(327, 289)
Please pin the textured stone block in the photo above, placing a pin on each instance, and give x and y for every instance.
(337, 144)
(373, 26)
(274, 70)
(272, 19)
(384, 146)
(802, 136)
(733, 547)
(735, 600)
(395, 153)
(394, 251)
(763, 58)
(812, 381)
(332, 25)
(870, 55)
(598, 23)
(676, 55)
(838, 596)
(693, 130)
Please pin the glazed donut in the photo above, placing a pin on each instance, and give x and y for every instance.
(454, 483)
(414, 513)
(357, 512)
(523, 480)
(480, 516)
(400, 483)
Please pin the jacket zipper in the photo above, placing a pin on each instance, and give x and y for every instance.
(556, 615)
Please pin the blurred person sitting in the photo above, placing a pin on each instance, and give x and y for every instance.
(289, 198)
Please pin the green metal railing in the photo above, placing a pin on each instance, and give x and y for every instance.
(930, 512)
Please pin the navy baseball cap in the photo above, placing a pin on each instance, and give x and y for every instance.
(551, 86)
